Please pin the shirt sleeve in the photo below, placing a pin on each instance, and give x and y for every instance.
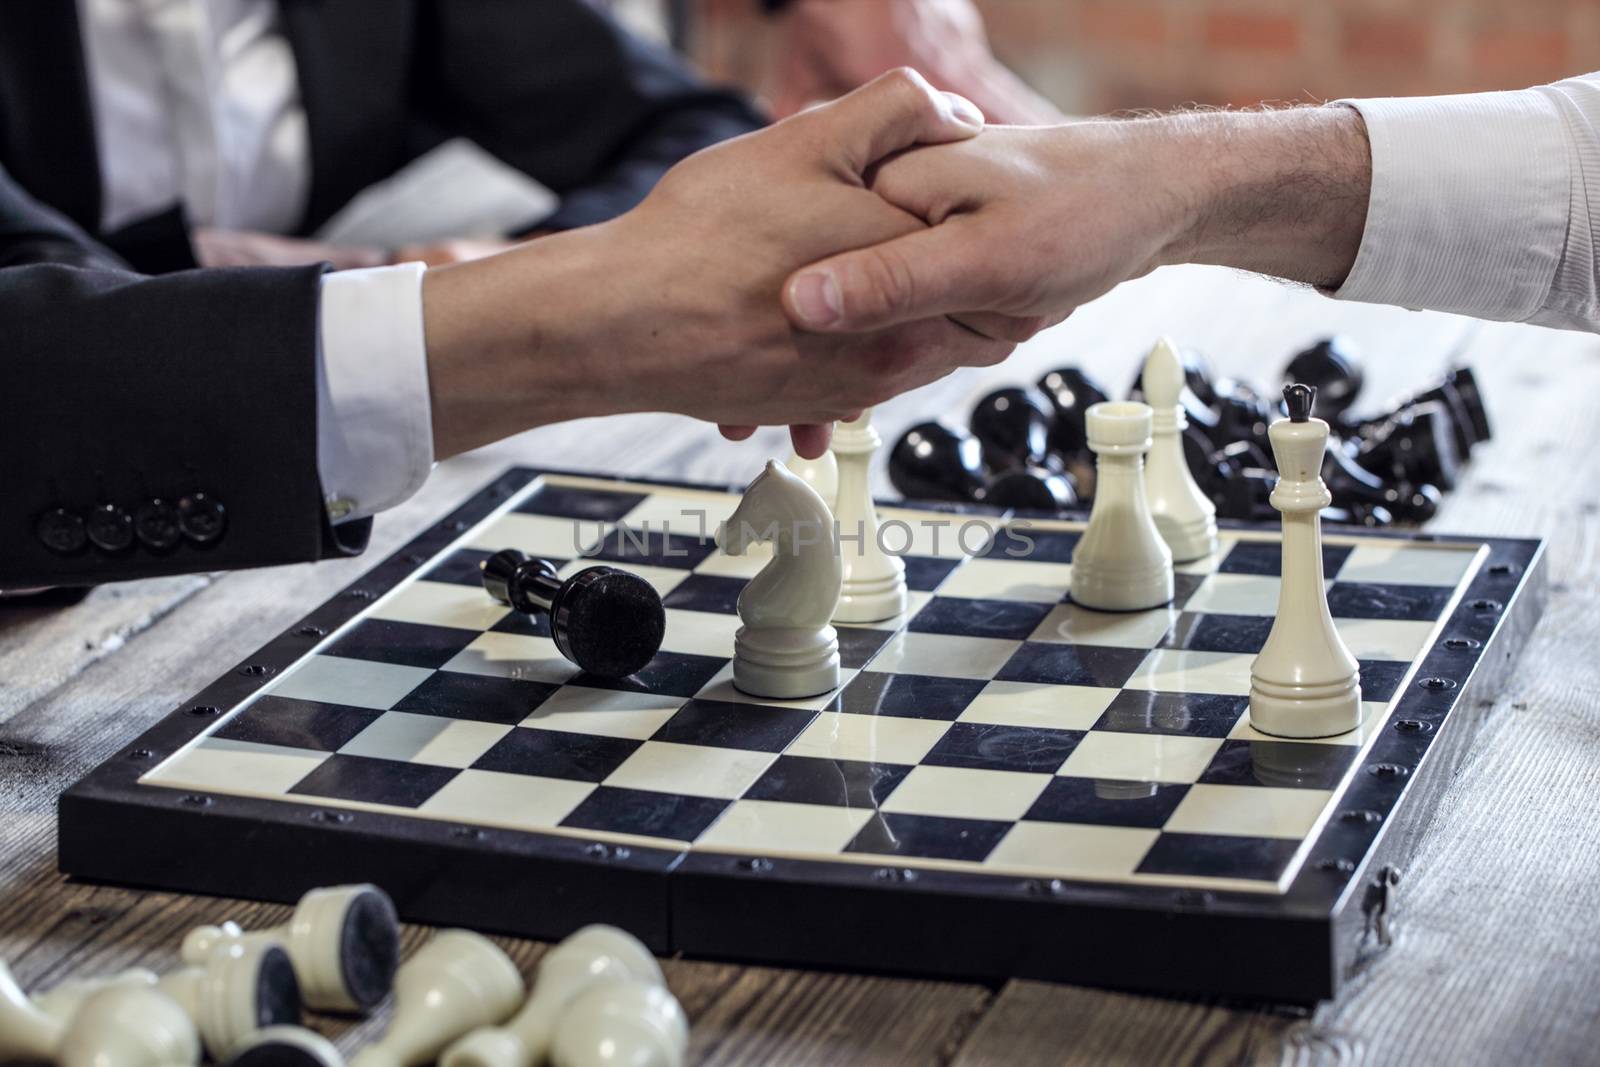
(374, 417)
(1480, 204)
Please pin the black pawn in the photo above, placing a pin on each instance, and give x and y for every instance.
(1415, 445)
(931, 461)
(1242, 414)
(1357, 489)
(1013, 425)
(1070, 393)
(1461, 427)
(1031, 489)
(606, 620)
(1332, 367)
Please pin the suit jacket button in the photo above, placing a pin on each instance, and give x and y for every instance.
(157, 525)
(202, 518)
(62, 531)
(110, 527)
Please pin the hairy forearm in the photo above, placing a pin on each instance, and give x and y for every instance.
(1276, 192)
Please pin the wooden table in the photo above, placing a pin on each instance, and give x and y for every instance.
(1497, 959)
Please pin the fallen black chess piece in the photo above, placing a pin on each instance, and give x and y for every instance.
(604, 619)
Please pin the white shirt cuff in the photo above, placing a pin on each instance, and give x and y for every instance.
(1468, 210)
(374, 422)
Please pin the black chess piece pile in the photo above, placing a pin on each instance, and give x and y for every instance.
(1027, 447)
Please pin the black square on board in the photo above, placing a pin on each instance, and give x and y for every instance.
(837, 782)
(292, 723)
(929, 836)
(990, 746)
(1184, 586)
(1266, 557)
(911, 696)
(650, 548)
(1382, 600)
(1202, 632)
(556, 754)
(924, 574)
(1142, 711)
(484, 698)
(599, 505)
(1380, 678)
(462, 567)
(1021, 542)
(707, 592)
(649, 814)
(1219, 856)
(1107, 802)
(1057, 664)
(408, 643)
(727, 724)
(1012, 620)
(858, 644)
(1287, 764)
(374, 781)
(679, 674)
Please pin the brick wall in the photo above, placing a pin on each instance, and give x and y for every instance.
(1101, 55)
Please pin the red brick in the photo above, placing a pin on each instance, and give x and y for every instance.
(1384, 39)
(1534, 53)
(1117, 22)
(1252, 31)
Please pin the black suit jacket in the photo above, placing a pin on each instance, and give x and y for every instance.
(152, 425)
(553, 87)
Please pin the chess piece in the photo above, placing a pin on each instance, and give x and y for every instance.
(786, 648)
(128, 1026)
(1031, 489)
(1332, 367)
(1070, 393)
(456, 983)
(1121, 563)
(1242, 414)
(636, 1023)
(1446, 395)
(286, 1046)
(26, 1031)
(1013, 425)
(1465, 382)
(1304, 683)
(595, 955)
(1186, 518)
(821, 474)
(344, 943)
(1415, 445)
(931, 461)
(604, 619)
(242, 987)
(1355, 488)
(874, 581)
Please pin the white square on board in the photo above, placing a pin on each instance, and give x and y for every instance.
(432, 739)
(1072, 850)
(531, 659)
(777, 827)
(237, 768)
(944, 655)
(868, 738)
(359, 683)
(1070, 624)
(695, 770)
(467, 607)
(514, 801)
(1058, 707)
(1003, 579)
(577, 709)
(1400, 563)
(966, 793)
(1179, 670)
(1141, 757)
(1248, 811)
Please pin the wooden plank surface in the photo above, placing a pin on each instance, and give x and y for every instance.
(1496, 962)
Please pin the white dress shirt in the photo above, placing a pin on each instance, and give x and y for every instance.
(198, 102)
(1485, 204)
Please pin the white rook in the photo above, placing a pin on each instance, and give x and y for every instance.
(1305, 682)
(1121, 563)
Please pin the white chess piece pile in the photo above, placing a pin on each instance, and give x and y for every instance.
(599, 999)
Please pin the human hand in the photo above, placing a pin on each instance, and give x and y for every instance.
(1028, 223)
(246, 248)
(829, 47)
(455, 250)
(675, 306)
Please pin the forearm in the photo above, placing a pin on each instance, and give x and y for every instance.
(1280, 192)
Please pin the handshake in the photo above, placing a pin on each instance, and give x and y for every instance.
(852, 252)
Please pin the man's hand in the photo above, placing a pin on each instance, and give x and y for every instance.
(247, 248)
(1028, 223)
(675, 306)
(831, 46)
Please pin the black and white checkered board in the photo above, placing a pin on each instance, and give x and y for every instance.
(1004, 780)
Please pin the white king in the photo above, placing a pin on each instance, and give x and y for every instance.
(1305, 682)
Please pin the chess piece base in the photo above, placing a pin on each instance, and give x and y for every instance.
(1110, 587)
(1190, 539)
(786, 664)
(1305, 711)
(873, 600)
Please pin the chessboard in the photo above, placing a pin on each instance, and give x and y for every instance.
(1006, 784)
